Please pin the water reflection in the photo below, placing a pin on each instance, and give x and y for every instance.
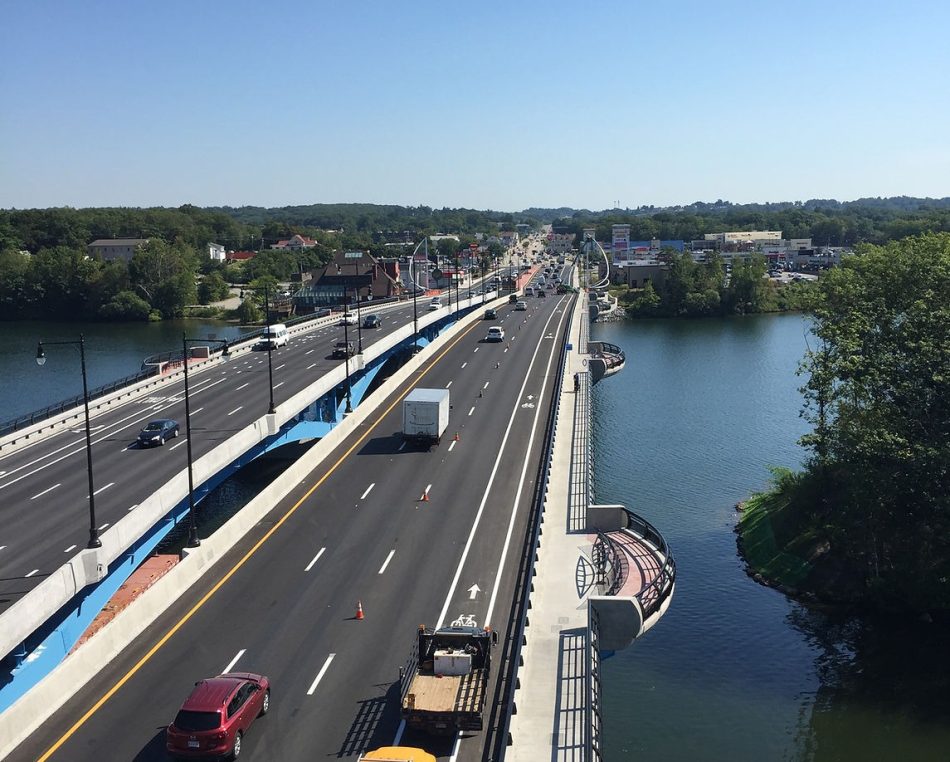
(884, 688)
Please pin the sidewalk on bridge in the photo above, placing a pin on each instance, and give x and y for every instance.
(551, 719)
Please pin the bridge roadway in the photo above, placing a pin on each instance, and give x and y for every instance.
(43, 486)
(282, 602)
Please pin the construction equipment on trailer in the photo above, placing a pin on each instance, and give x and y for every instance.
(445, 683)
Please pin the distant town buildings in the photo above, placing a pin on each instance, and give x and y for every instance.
(350, 276)
(216, 252)
(295, 243)
(560, 241)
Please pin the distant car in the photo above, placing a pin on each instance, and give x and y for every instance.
(156, 432)
(343, 349)
(348, 318)
(214, 718)
(491, 315)
(495, 333)
(521, 306)
(372, 321)
(433, 306)
(323, 312)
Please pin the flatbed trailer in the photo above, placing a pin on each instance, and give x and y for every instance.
(446, 681)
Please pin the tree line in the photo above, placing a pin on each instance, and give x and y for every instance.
(695, 289)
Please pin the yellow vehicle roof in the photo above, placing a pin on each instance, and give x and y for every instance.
(397, 754)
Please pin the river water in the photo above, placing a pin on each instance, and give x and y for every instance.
(735, 670)
(113, 351)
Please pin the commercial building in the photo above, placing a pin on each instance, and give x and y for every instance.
(115, 248)
(351, 276)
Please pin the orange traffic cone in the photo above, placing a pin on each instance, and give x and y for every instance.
(359, 609)
(457, 437)
(425, 497)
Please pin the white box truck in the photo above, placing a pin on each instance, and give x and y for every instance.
(425, 415)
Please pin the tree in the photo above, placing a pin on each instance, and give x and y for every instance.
(125, 306)
(212, 289)
(878, 395)
(248, 312)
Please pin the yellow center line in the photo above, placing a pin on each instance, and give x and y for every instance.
(243, 560)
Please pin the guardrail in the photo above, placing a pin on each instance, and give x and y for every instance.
(499, 727)
(652, 596)
(611, 564)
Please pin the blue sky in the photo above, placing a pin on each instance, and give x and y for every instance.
(490, 105)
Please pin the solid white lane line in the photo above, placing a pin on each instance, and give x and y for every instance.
(242, 386)
(71, 547)
(49, 489)
(280, 384)
(448, 384)
(235, 409)
(103, 527)
(368, 490)
(452, 445)
(102, 489)
(184, 441)
(32, 573)
(472, 410)
(311, 366)
(388, 559)
(233, 662)
(464, 364)
(486, 384)
(320, 674)
(315, 559)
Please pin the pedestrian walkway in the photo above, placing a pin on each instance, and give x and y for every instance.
(602, 577)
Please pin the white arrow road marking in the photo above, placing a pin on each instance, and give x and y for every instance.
(473, 591)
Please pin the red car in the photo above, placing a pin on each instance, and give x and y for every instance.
(217, 714)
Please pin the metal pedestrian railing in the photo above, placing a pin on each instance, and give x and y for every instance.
(594, 723)
(579, 495)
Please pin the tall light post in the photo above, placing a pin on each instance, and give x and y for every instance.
(270, 344)
(94, 541)
(193, 541)
(455, 275)
(346, 339)
(415, 288)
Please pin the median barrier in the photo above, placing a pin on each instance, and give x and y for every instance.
(85, 662)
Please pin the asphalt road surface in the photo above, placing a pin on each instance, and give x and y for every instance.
(283, 601)
(44, 506)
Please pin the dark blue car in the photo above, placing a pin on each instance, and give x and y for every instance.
(156, 432)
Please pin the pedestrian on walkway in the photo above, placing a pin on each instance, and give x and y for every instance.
(577, 381)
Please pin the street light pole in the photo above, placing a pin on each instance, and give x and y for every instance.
(346, 339)
(193, 540)
(94, 541)
(270, 344)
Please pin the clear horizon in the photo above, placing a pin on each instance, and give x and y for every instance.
(505, 107)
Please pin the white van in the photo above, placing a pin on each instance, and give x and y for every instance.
(529, 291)
(274, 336)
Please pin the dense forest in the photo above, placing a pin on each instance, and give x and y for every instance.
(868, 519)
